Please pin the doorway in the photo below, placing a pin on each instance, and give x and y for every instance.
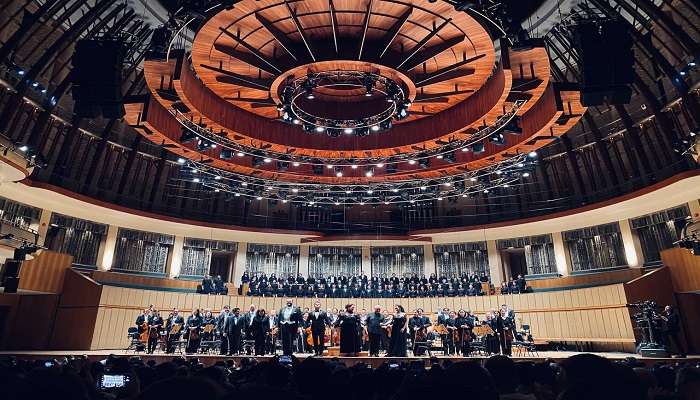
(514, 262)
(221, 264)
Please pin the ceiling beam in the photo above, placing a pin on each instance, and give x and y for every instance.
(300, 29)
(432, 51)
(240, 80)
(460, 73)
(394, 31)
(432, 99)
(435, 74)
(365, 26)
(245, 57)
(250, 48)
(251, 100)
(277, 34)
(334, 24)
(415, 49)
(524, 85)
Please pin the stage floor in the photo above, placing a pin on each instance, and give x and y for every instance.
(209, 359)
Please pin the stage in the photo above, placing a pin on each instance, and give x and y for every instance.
(210, 359)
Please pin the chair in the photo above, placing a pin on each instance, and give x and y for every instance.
(524, 344)
(135, 343)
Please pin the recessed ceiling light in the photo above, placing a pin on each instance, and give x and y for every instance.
(240, 154)
(526, 174)
(217, 178)
(380, 165)
(267, 160)
(411, 162)
(295, 190)
(369, 174)
(353, 166)
(395, 190)
(329, 166)
(348, 130)
(375, 127)
(296, 163)
(370, 191)
(179, 160)
(244, 184)
(473, 179)
(339, 174)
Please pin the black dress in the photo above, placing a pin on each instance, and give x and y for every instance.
(397, 345)
(349, 333)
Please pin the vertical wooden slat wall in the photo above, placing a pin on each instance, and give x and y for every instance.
(684, 267)
(45, 272)
(596, 315)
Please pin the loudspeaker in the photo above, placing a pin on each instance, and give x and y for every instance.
(97, 78)
(606, 62)
(10, 279)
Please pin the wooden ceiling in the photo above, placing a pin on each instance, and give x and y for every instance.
(447, 54)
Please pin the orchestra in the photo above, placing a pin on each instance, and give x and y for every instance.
(296, 330)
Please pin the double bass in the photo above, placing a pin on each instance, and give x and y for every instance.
(145, 332)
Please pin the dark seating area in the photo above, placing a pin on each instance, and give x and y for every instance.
(583, 376)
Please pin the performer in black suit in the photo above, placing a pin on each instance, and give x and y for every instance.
(319, 320)
(248, 321)
(672, 328)
(260, 329)
(155, 322)
(220, 320)
(288, 320)
(232, 329)
(418, 324)
(174, 320)
(375, 329)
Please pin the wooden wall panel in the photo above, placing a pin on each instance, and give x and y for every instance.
(45, 272)
(594, 315)
(27, 320)
(684, 268)
(591, 279)
(76, 316)
(689, 308)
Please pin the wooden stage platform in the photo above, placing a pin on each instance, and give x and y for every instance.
(210, 359)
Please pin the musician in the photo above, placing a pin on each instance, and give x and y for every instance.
(452, 336)
(260, 329)
(193, 331)
(443, 316)
(155, 322)
(375, 329)
(220, 321)
(319, 320)
(464, 323)
(175, 322)
(399, 329)
(418, 324)
(504, 328)
(248, 321)
(208, 319)
(141, 320)
(349, 324)
(492, 341)
(288, 320)
(672, 328)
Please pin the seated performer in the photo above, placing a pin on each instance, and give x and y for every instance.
(319, 320)
(193, 331)
(155, 323)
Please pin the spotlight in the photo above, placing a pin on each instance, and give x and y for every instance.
(380, 165)
(375, 128)
(369, 174)
(439, 198)
(439, 156)
(296, 121)
(217, 178)
(423, 187)
(448, 184)
(395, 190)
(244, 184)
(187, 136)
(226, 154)
(240, 154)
(284, 201)
(320, 129)
(348, 131)
(465, 149)
(412, 162)
(486, 190)
(498, 139)
(339, 174)
(259, 197)
(353, 166)
(329, 166)
(532, 154)
(296, 163)
(196, 180)
(473, 179)
(180, 160)
(526, 174)
(424, 162)
(370, 191)
(295, 190)
(267, 160)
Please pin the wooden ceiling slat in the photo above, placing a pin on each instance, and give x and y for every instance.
(422, 43)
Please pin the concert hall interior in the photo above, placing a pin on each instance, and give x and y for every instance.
(460, 186)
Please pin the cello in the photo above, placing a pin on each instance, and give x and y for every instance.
(145, 332)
